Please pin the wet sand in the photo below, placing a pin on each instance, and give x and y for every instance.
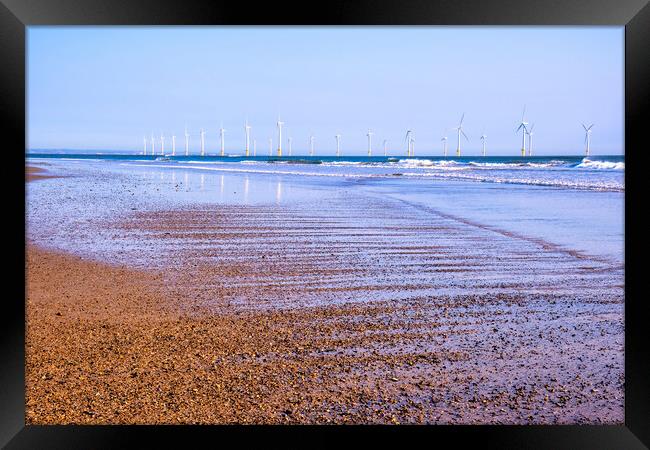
(267, 314)
(36, 173)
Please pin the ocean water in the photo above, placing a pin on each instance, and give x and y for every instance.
(576, 203)
(602, 173)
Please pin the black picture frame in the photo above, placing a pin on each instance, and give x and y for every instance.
(16, 15)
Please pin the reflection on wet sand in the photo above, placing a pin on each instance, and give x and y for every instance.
(278, 192)
(367, 308)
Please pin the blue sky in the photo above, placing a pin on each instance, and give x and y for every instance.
(104, 88)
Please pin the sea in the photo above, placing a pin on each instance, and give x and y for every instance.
(601, 173)
(575, 202)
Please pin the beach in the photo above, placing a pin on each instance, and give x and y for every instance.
(220, 294)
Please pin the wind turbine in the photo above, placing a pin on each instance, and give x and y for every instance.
(173, 145)
(407, 139)
(162, 144)
(222, 134)
(289, 144)
(270, 146)
(483, 138)
(202, 142)
(587, 137)
(459, 129)
(338, 147)
(279, 124)
(370, 133)
(385, 142)
(530, 140)
(153, 145)
(145, 145)
(247, 130)
(444, 145)
(311, 145)
(522, 127)
(187, 142)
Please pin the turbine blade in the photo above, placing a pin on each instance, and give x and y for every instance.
(464, 135)
(583, 126)
(461, 119)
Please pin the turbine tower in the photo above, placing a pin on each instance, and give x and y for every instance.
(530, 140)
(247, 130)
(270, 146)
(522, 127)
(145, 145)
(279, 124)
(385, 142)
(289, 144)
(444, 145)
(153, 145)
(311, 145)
(202, 142)
(162, 144)
(222, 133)
(173, 145)
(407, 139)
(187, 142)
(459, 129)
(483, 138)
(587, 137)
(370, 133)
(338, 146)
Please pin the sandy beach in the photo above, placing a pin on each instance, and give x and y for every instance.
(371, 310)
(36, 173)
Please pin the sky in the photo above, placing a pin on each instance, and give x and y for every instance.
(105, 88)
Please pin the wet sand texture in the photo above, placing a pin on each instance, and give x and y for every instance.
(268, 314)
(36, 173)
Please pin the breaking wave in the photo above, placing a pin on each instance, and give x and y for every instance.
(600, 165)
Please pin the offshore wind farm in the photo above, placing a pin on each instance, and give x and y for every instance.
(359, 225)
(523, 126)
(599, 173)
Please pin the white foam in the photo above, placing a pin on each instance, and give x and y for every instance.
(431, 164)
(417, 162)
(588, 185)
(600, 165)
(343, 163)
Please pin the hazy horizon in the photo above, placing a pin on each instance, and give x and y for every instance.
(105, 88)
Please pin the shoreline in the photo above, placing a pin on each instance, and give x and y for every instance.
(202, 339)
(33, 173)
(602, 176)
